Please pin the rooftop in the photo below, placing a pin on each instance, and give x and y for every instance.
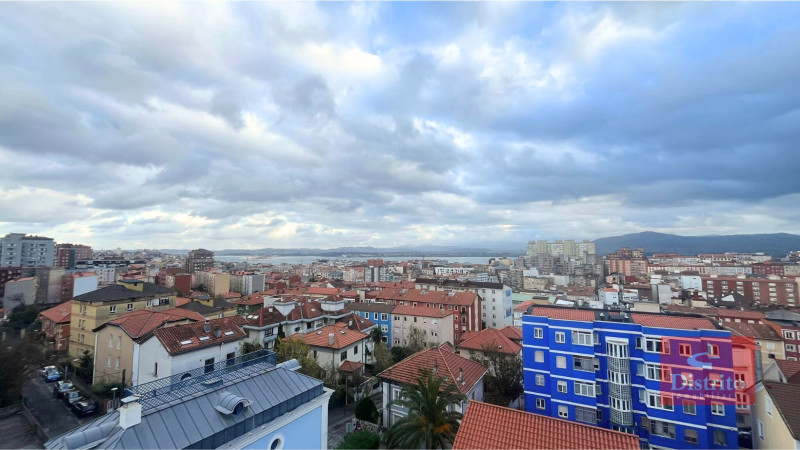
(140, 323)
(786, 397)
(421, 311)
(185, 338)
(490, 337)
(342, 336)
(117, 292)
(488, 426)
(60, 313)
(653, 320)
(371, 307)
(441, 360)
(753, 330)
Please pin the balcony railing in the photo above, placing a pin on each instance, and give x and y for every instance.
(619, 364)
(624, 418)
(619, 391)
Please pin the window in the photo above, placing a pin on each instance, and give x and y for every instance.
(685, 350)
(112, 309)
(690, 436)
(720, 438)
(715, 381)
(690, 407)
(582, 338)
(384, 317)
(538, 333)
(742, 401)
(654, 345)
(343, 356)
(116, 366)
(539, 403)
(539, 379)
(660, 401)
(583, 363)
(355, 350)
(155, 369)
(619, 377)
(621, 405)
(717, 409)
(640, 369)
(638, 342)
(108, 363)
(119, 342)
(562, 386)
(584, 389)
(658, 373)
(768, 405)
(663, 429)
(761, 430)
(585, 415)
(209, 365)
(561, 362)
(110, 340)
(563, 411)
(788, 335)
(642, 396)
(791, 348)
(538, 356)
(130, 307)
(713, 351)
(560, 337)
(617, 349)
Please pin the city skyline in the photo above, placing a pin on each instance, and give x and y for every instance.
(252, 125)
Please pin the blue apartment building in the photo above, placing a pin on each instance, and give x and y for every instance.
(664, 378)
(379, 313)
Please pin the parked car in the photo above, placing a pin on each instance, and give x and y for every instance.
(44, 370)
(71, 397)
(84, 408)
(52, 375)
(61, 387)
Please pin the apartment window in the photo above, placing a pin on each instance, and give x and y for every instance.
(582, 338)
(638, 342)
(654, 345)
(538, 333)
(685, 350)
(539, 379)
(642, 396)
(663, 429)
(583, 363)
(116, 366)
(539, 403)
(585, 415)
(563, 411)
(562, 387)
(355, 350)
(209, 365)
(108, 361)
(617, 349)
(112, 309)
(129, 307)
(119, 342)
(660, 401)
(621, 405)
(713, 351)
(717, 409)
(640, 369)
(538, 356)
(384, 317)
(720, 438)
(415, 318)
(742, 401)
(83, 309)
(690, 436)
(561, 362)
(658, 373)
(715, 380)
(560, 337)
(791, 348)
(619, 377)
(343, 356)
(760, 430)
(768, 405)
(584, 389)
(110, 340)
(690, 407)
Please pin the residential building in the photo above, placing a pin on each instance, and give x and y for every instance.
(262, 326)
(629, 372)
(475, 344)
(20, 250)
(332, 345)
(782, 371)
(49, 284)
(68, 255)
(20, 292)
(199, 260)
(182, 349)
(374, 271)
(7, 274)
(441, 361)
(452, 270)
(210, 307)
(55, 326)
(379, 313)
(787, 323)
(771, 290)
(247, 283)
(777, 416)
(491, 427)
(435, 325)
(766, 338)
(95, 308)
(496, 304)
(305, 315)
(215, 283)
(117, 351)
(235, 406)
(78, 283)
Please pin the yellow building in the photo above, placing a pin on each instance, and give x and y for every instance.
(777, 420)
(92, 309)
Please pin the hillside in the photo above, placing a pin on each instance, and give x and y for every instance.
(777, 244)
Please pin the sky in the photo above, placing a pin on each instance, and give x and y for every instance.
(251, 125)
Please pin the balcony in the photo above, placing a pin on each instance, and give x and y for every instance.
(619, 391)
(624, 418)
(622, 365)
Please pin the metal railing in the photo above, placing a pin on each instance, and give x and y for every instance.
(619, 391)
(619, 364)
(621, 417)
(176, 387)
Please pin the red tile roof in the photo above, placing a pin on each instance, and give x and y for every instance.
(358, 323)
(58, 314)
(173, 338)
(490, 337)
(737, 314)
(448, 364)
(180, 301)
(673, 321)
(231, 295)
(522, 307)
(139, 323)
(788, 368)
(513, 333)
(426, 296)
(564, 313)
(251, 300)
(342, 336)
(350, 366)
(265, 316)
(322, 291)
(786, 397)
(420, 311)
(488, 426)
(753, 330)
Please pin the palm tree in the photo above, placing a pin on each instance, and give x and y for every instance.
(429, 424)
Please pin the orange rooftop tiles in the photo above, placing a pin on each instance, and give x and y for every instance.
(488, 426)
(342, 336)
(58, 314)
(490, 337)
(446, 364)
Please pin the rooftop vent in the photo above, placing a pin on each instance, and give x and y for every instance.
(217, 332)
(206, 327)
(231, 404)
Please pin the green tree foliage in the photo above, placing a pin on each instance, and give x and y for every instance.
(364, 439)
(251, 346)
(22, 316)
(429, 424)
(85, 368)
(416, 340)
(400, 353)
(503, 381)
(383, 357)
(287, 349)
(366, 410)
(376, 335)
(15, 365)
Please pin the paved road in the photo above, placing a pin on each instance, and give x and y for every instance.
(54, 417)
(339, 417)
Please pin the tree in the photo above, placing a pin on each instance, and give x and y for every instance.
(364, 439)
(383, 357)
(294, 348)
(14, 364)
(429, 424)
(416, 340)
(85, 369)
(400, 353)
(22, 316)
(376, 335)
(503, 381)
(366, 410)
(251, 346)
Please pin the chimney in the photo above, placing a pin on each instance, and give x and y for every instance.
(461, 375)
(350, 323)
(217, 331)
(330, 338)
(131, 412)
(207, 327)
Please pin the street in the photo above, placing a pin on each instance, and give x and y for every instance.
(339, 417)
(51, 413)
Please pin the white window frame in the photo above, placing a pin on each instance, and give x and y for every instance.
(717, 409)
(538, 356)
(583, 338)
(561, 337)
(538, 333)
(539, 379)
(563, 411)
(584, 389)
(561, 386)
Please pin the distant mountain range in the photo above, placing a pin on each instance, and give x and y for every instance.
(777, 244)
(416, 250)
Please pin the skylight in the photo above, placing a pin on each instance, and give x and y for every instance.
(229, 333)
(204, 338)
(186, 342)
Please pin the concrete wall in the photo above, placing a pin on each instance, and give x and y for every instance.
(776, 433)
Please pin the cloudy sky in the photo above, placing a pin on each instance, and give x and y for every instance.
(249, 125)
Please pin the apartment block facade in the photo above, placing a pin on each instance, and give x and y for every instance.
(611, 371)
(68, 255)
(20, 250)
(772, 290)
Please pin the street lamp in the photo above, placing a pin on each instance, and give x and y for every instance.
(113, 396)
